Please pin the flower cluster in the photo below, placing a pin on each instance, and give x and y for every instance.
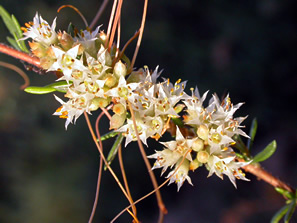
(96, 77)
(214, 127)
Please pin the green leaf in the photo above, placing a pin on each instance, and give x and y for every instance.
(13, 42)
(60, 86)
(109, 135)
(280, 214)
(19, 34)
(39, 90)
(253, 132)
(7, 20)
(290, 211)
(265, 153)
(284, 192)
(13, 27)
(114, 150)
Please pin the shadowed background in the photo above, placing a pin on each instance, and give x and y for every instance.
(245, 48)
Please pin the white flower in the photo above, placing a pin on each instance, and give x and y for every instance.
(129, 130)
(180, 174)
(67, 62)
(180, 145)
(164, 159)
(227, 166)
(87, 39)
(40, 31)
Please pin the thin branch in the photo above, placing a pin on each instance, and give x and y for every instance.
(140, 35)
(76, 10)
(19, 71)
(102, 155)
(262, 174)
(20, 55)
(125, 180)
(153, 191)
(110, 22)
(99, 171)
(115, 24)
(161, 205)
(124, 48)
(99, 13)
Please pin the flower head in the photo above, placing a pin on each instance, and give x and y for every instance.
(40, 31)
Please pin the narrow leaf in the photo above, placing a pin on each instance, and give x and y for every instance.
(14, 28)
(13, 43)
(265, 153)
(284, 192)
(290, 211)
(7, 20)
(114, 150)
(280, 214)
(109, 135)
(39, 90)
(60, 86)
(252, 133)
(19, 34)
(17, 26)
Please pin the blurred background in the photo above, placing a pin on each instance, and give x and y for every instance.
(245, 48)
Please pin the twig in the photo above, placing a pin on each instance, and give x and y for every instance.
(99, 13)
(140, 35)
(20, 55)
(125, 181)
(103, 157)
(19, 71)
(99, 171)
(262, 174)
(153, 191)
(161, 205)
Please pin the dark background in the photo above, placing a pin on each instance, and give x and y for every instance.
(245, 48)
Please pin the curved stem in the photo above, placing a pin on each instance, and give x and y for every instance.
(76, 10)
(19, 71)
(153, 191)
(20, 55)
(115, 24)
(140, 35)
(102, 155)
(110, 22)
(99, 13)
(125, 181)
(161, 205)
(99, 171)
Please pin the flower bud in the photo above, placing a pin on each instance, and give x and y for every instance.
(117, 121)
(202, 156)
(119, 109)
(198, 145)
(37, 49)
(65, 40)
(46, 62)
(194, 164)
(119, 69)
(202, 132)
(98, 103)
(110, 80)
